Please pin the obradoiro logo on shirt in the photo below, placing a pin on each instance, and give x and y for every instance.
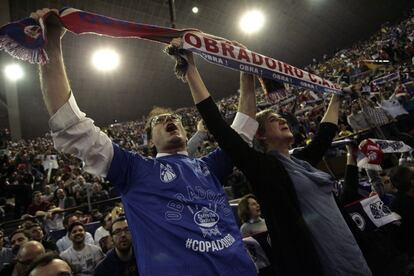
(167, 173)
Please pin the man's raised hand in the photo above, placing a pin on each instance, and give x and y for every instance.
(54, 28)
(178, 43)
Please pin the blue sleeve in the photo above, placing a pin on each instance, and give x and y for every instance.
(124, 168)
(219, 163)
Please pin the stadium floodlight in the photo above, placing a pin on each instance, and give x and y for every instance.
(13, 72)
(105, 59)
(194, 10)
(252, 21)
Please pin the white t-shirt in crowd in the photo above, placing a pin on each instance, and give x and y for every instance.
(64, 242)
(393, 107)
(84, 261)
(100, 233)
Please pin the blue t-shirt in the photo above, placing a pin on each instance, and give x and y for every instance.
(178, 214)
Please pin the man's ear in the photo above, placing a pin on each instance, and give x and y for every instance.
(151, 146)
(152, 149)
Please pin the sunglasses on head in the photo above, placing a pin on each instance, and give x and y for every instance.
(160, 119)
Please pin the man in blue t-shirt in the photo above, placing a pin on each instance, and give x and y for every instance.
(178, 214)
(120, 261)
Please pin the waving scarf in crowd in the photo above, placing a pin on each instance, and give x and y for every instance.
(373, 151)
(371, 213)
(25, 39)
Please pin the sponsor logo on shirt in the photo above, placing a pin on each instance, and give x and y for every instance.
(207, 221)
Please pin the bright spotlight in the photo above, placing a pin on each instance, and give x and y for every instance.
(13, 72)
(194, 10)
(252, 21)
(105, 60)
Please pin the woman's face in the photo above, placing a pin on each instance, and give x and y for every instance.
(277, 129)
(254, 208)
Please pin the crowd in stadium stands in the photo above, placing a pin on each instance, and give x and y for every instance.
(75, 221)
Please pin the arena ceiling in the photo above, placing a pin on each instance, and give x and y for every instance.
(295, 32)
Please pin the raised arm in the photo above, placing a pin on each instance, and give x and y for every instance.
(351, 178)
(244, 122)
(72, 131)
(53, 79)
(199, 91)
(314, 152)
(332, 112)
(247, 100)
(229, 140)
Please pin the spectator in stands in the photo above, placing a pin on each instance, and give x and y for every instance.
(62, 201)
(392, 106)
(377, 118)
(27, 220)
(53, 220)
(164, 212)
(249, 213)
(47, 194)
(102, 231)
(82, 257)
(81, 189)
(120, 260)
(388, 187)
(402, 178)
(36, 234)
(37, 204)
(379, 248)
(106, 243)
(17, 239)
(344, 131)
(97, 193)
(307, 230)
(49, 264)
(6, 254)
(65, 242)
(356, 119)
(401, 93)
(397, 111)
(27, 253)
(375, 115)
